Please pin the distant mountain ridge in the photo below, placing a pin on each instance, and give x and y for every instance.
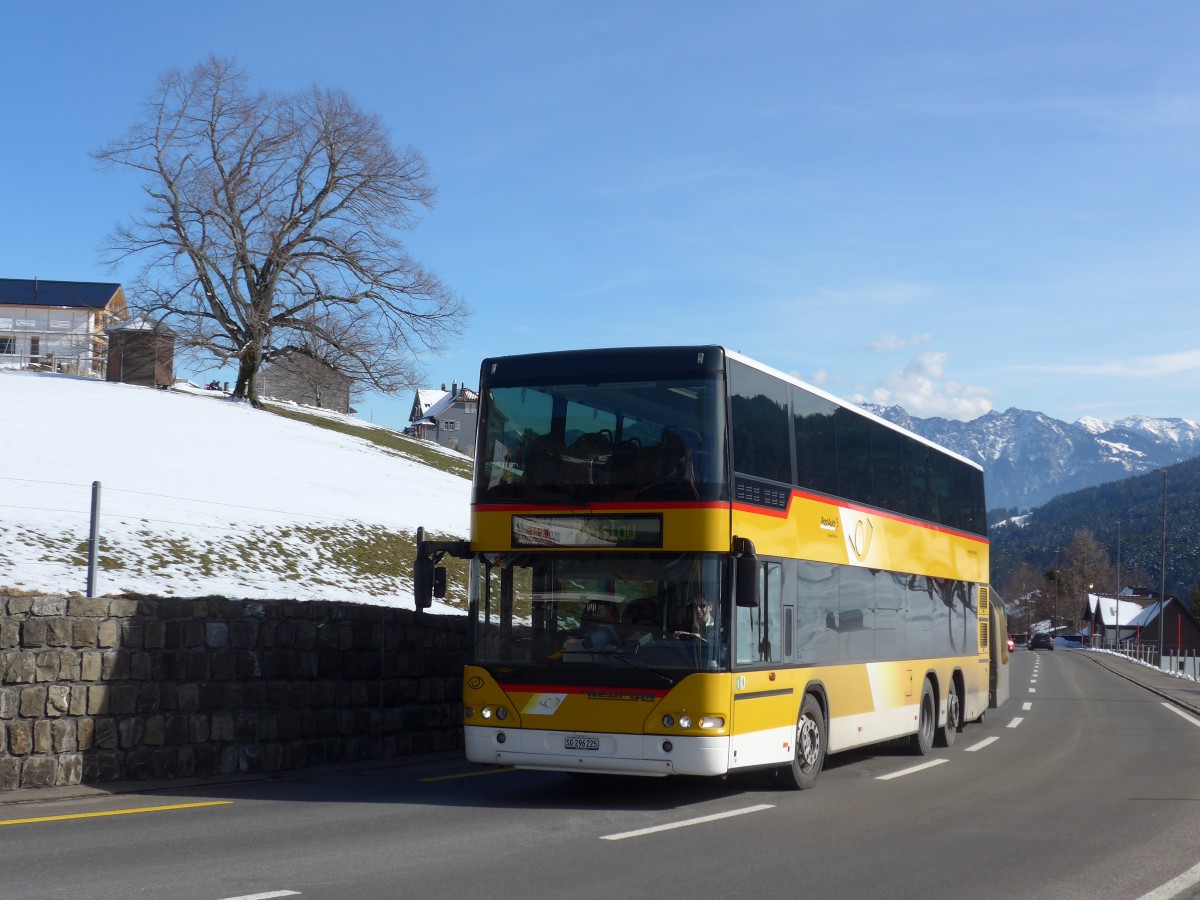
(1029, 457)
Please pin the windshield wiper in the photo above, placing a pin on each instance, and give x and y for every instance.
(620, 654)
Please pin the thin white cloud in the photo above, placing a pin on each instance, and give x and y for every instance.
(920, 388)
(1158, 366)
(884, 293)
(892, 341)
(821, 378)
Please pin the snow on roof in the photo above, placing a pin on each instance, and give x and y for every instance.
(433, 403)
(1115, 612)
(428, 398)
(1149, 614)
(141, 323)
(443, 402)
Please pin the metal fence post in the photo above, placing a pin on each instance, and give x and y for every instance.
(94, 540)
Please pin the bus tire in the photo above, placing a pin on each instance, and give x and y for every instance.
(947, 734)
(922, 742)
(809, 754)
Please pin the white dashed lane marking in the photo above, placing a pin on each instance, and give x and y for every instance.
(912, 770)
(686, 822)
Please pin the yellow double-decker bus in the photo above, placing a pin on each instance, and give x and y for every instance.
(685, 562)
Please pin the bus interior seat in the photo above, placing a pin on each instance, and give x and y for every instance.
(585, 461)
(623, 463)
(543, 468)
(592, 445)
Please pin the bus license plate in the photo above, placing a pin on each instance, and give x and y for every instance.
(581, 743)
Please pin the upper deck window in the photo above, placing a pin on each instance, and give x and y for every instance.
(759, 408)
(604, 441)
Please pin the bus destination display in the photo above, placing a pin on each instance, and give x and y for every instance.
(587, 531)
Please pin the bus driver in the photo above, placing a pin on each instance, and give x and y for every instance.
(695, 620)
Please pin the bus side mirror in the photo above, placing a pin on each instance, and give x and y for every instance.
(424, 582)
(429, 579)
(745, 573)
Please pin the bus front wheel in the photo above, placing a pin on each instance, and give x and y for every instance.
(809, 754)
(922, 741)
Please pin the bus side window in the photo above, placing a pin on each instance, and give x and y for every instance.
(770, 646)
(759, 628)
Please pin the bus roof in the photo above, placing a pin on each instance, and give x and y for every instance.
(669, 359)
(846, 404)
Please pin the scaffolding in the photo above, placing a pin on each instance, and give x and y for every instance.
(65, 353)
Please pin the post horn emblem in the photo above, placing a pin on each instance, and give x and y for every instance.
(860, 538)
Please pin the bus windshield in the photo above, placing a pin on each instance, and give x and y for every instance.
(645, 440)
(561, 616)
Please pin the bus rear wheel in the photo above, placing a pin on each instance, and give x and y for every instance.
(922, 741)
(809, 754)
(946, 735)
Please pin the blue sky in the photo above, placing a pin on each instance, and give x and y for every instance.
(951, 206)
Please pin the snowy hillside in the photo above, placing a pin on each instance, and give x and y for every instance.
(203, 496)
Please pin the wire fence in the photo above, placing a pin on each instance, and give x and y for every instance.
(128, 513)
(63, 528)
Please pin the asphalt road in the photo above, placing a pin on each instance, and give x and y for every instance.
(1082, 785)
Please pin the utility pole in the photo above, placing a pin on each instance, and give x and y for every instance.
(1117, 593)
(1162, 592)
(1057, 573)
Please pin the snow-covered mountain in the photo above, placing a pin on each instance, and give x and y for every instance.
(1028, 457)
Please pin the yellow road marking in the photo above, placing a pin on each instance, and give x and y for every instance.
(115, 812)
(467, 775)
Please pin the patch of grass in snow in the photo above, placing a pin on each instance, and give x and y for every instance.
(108, 556)
(353, 557)
(419, 451)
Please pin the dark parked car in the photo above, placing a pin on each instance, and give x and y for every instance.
(1041, 641)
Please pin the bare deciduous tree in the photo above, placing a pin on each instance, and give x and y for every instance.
(1025, 592)
(272, 226)
(1087, 566)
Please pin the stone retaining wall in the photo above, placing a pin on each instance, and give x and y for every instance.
(106, 689)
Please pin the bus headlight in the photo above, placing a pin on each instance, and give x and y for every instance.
(486, 712)
(501, 713)
(668, 721)
(685, 721)
(712, 721)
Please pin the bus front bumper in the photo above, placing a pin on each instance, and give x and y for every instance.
(618, 754)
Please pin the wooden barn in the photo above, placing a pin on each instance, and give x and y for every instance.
(305, 381)
(141, 352)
